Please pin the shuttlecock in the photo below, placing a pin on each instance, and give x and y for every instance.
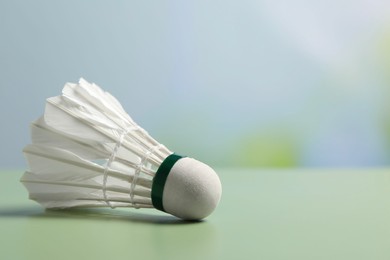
(86, 151)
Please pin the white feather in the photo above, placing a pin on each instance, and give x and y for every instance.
(87, 151)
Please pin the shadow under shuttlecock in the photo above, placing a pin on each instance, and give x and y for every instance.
(97, 214)
(21, 212)
(121, 215)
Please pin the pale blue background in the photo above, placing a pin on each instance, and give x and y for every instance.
(233, 83)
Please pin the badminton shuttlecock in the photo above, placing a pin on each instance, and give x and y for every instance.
(86, 151)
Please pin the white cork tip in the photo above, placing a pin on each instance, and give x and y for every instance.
(192, 190)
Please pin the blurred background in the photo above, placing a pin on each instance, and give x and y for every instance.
(261, 83)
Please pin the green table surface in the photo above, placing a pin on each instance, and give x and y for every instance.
(263, 214)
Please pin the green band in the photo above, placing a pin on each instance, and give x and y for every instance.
(160, 178)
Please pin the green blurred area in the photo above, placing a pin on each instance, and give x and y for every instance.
(267, 148)
(384, 61)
